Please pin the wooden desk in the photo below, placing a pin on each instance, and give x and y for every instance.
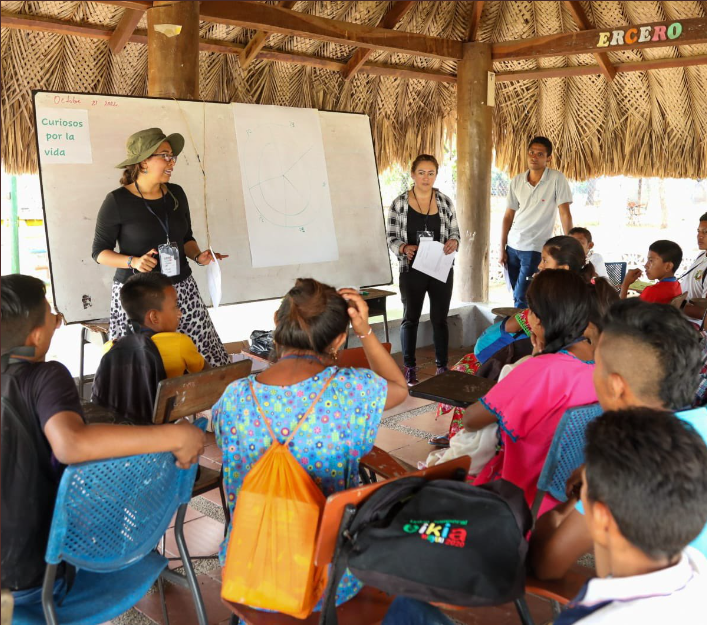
(454, 388)
(506, 311)
(377, 307)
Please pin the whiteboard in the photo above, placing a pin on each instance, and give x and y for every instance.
(72, 193)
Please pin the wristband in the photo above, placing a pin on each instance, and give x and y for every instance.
(130, 262)
(196, 261)
(363, 336)
(402, 251)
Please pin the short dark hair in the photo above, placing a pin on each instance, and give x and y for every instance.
(566, 250)
(561, 301)
(421, 158)
(583, 231)
(544, 141)
(143, 292)
(23, 303)
(648, 467)
(669, 338)
(704, 217)
(669, 252)
(310, 317)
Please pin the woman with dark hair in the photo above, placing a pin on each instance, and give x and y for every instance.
(148, 217)
(508, 341)
(311, 326)
(422, 212)
(530, 401)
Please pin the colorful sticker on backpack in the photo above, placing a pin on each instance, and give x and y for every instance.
(445, 532)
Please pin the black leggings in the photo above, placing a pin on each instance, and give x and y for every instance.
(414, 285)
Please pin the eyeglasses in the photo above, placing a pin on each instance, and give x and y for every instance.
(166, 157)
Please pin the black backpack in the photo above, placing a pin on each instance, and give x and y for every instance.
(128, 375)
(29, 487)
(440, 541)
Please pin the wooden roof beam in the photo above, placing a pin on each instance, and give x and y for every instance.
(127, 25)
(474, 20)
(589, 70)
(390, 20)
(581, 19)
(257, 43)
(694, 31)
(51, 25)
(138, 6)
(46, 24)
(275, 19)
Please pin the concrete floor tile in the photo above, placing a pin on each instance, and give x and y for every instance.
(388, 439)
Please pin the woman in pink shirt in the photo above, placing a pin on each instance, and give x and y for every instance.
(529, 402)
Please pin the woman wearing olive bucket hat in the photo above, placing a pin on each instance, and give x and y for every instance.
(148, 217)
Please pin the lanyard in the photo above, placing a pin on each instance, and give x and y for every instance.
(429, 206)
(165, 223)
(693, 269)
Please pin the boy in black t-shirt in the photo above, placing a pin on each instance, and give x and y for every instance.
(44, 394)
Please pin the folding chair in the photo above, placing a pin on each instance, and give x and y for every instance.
(566, 453)
(109, 517)
(679, 301)
(189, 394)
(616, 273)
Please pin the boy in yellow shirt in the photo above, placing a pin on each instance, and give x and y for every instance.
(150, 300)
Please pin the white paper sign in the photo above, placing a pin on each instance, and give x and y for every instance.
(213, 275)
(64, 136)
(285, 186)
(431, 259)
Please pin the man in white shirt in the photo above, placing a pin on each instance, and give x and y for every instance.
(644, 493)
(530, 216)
(694, 280)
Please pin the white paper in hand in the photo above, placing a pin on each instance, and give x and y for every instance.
(431, 260)
(213, 275)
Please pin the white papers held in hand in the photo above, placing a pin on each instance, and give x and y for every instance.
(432, 260)
(213, 275)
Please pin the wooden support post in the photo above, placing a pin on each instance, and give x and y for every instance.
(173, 59)
(474, 158)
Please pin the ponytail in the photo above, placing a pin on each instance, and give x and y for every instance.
(130, 174)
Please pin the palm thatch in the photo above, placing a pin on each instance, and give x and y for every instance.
(643, 123)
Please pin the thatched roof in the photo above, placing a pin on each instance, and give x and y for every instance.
(647, 123)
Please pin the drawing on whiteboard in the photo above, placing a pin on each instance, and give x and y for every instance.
(282, 193)
(285, 186)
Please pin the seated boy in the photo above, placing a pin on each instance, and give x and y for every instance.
(585, 238)
(150, 301)
(664, 258)
(694, 280)
(647, 355)
(45, 397)
(644, 492)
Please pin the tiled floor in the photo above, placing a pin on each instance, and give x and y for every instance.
(403, 435)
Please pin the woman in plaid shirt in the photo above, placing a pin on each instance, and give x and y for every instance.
(422, 211)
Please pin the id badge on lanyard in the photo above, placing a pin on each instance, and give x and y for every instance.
(169, 251)
(169, 259)
(423, 235)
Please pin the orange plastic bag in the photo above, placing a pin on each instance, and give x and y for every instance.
(270, 556)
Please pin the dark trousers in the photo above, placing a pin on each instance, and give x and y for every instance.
(521, 267)
(414, 285)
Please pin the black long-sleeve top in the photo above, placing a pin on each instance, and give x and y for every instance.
(124, 218)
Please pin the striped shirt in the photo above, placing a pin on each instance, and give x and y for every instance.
(397, 224)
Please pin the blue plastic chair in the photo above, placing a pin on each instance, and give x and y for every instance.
(109, 517)
(566, 453)
(616, 273)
